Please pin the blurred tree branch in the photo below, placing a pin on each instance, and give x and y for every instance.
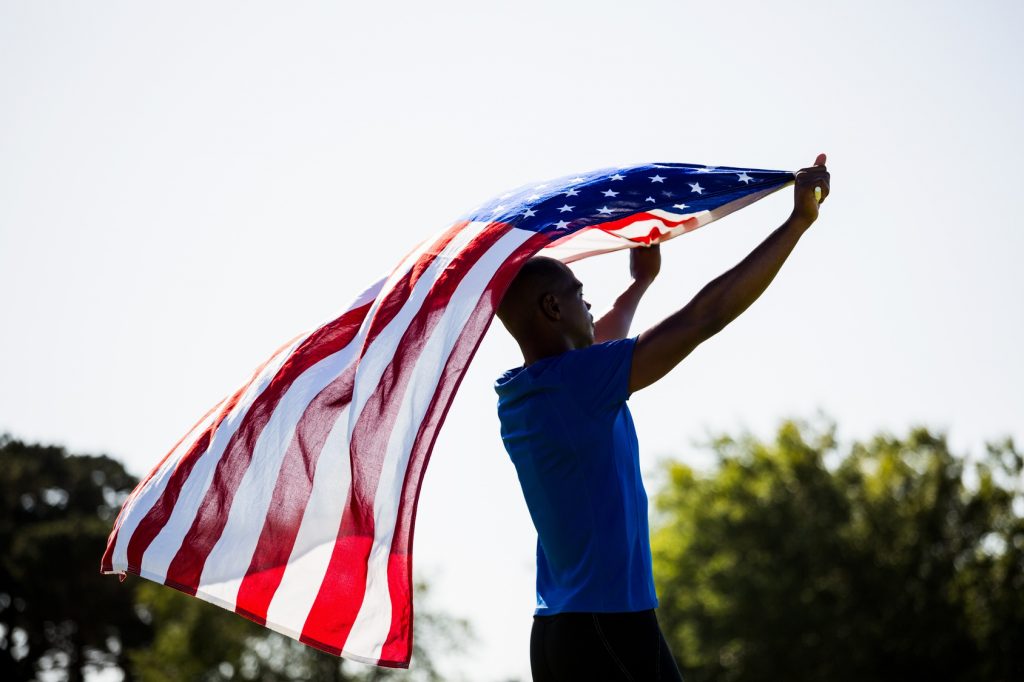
(895, 559)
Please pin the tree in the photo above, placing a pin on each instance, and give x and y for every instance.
(893, 560)
(198, 641)
(56, 611)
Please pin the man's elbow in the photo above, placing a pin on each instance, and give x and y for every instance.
(660, 349)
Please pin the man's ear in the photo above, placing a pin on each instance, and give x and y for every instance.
(550, 308)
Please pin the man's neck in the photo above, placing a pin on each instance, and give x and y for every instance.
(549, 348)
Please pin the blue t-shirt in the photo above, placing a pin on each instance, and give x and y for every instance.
(565, 424)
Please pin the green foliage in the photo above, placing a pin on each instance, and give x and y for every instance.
(58, 614)
(193, 640)
(56, 611)
(894, 560)
(198, 641)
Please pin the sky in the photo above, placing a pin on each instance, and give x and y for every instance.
(184, 186)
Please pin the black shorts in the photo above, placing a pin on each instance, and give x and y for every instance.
(572, 647)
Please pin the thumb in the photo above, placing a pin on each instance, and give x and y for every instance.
(820, 161)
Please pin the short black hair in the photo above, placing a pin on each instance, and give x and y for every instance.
(538, 276)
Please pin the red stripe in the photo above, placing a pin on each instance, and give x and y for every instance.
(623, 243)
(396, 297)
(376, 421)
(398, 646)
(186, 567)
(613, 225)
(156, 518)
(106, 563)
(291, 495)
(337, 604)
(295, 481)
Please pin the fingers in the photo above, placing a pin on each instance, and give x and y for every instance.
(810, 183)
(819, 165)
(813, 170)
(813, 178)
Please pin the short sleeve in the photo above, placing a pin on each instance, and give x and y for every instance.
(598, 376)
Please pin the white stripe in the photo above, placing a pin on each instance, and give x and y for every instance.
(170, 538)
(314, 543)
(396, 276)
(167, 542)
(674, 216)
(642, 228)
(746, 200)
(381, 352)
(582, 244)
(143, 499)
(318, 531)
(369, 294)
(373, 622)
(593, 241)
(145, 496)
(226, 566)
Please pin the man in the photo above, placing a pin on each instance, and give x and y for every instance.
(566, 427)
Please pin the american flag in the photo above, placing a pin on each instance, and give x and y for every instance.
(292, 502)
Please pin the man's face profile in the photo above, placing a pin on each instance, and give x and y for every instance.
(545, 301)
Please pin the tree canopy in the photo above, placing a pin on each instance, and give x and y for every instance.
(892, 559)
(56, 611)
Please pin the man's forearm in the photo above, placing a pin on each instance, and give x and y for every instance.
(664, 345)
(725, 297)
(616, 322)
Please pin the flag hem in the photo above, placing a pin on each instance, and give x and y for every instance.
(280, 629)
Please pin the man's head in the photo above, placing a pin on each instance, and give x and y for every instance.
(544, 309)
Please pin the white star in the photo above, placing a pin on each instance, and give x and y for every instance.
(561, 225)
(657, 178)
(651, 199)
(565, 208)
(706, 169)
(618, 177)
(610, 193)
(695, 187)
(577, 179)
(680, 206)
(571, 193)
(744, 178)
(529, 213)
(604, 210)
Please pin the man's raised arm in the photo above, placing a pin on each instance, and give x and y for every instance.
(644, 264)
(664, 345)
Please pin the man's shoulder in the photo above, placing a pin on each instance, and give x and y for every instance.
(601, 352)
(573, 366)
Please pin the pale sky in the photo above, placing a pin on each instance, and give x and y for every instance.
(184, 186)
